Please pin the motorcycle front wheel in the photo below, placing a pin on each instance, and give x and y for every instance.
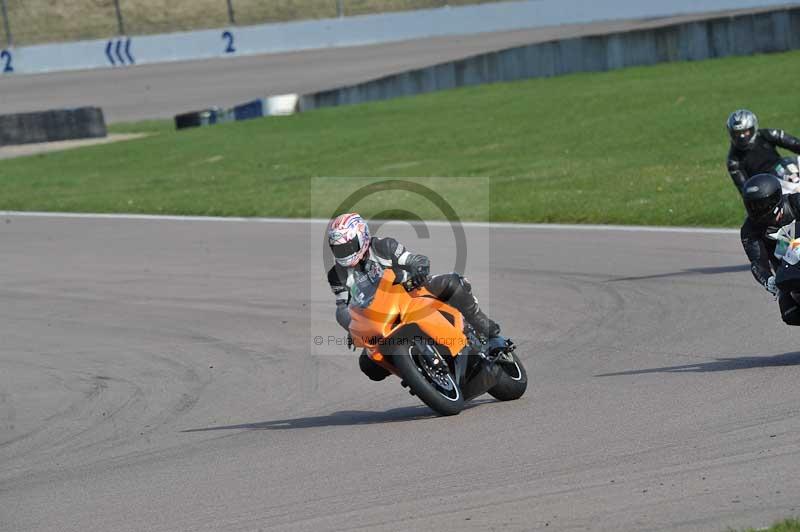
(428, 376)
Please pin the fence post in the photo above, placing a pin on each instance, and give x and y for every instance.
(120, 22)
(6, 24)
(231, 17)
(340, 8)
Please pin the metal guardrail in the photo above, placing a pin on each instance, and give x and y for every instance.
(40, 21)
(742, 34)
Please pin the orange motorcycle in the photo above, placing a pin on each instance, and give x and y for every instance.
(438, 356)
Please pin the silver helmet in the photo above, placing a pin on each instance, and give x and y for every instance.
(743, 128)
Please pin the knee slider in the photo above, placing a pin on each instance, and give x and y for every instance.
(791, 316)
(790, 310)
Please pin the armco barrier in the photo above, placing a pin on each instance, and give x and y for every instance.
(765, 32)
(49, 126)
(278, 105)
(126, 51)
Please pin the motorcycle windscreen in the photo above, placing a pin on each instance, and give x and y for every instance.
(374, 307)
(364, 284)
(787, 278)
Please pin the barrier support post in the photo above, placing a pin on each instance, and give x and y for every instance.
(6, 24)
(120, 22)
(231, 17)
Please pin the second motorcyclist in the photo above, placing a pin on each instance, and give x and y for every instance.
(768, 210)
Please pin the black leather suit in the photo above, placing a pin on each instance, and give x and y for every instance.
(762, 157)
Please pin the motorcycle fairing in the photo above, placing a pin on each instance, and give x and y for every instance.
(392, 308)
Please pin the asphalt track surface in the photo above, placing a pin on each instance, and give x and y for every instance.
(158, 375)
(164, 90)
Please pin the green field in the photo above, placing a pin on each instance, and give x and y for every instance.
(639, 146)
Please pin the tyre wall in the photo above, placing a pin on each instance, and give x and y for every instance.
(49, 126)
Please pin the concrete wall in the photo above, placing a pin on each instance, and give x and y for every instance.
(121, 52)
(774, 31)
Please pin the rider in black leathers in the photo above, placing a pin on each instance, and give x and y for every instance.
(767, 211)
(753, 151)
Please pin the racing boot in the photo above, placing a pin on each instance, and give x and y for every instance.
(475, 316)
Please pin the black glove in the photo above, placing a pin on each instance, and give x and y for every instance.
(419, 267)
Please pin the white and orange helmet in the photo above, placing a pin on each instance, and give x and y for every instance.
(348, 237)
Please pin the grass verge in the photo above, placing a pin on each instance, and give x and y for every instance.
(637, 146)
(789, 525)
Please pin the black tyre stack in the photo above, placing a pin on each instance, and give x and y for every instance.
(53, 125)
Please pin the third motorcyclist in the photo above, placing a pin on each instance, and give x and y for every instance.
(753, 151)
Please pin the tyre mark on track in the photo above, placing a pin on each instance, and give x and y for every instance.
(111, 413)
(7, 413)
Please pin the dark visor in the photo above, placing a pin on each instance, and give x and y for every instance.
(341, 251)
(761, 208)
(744, 134)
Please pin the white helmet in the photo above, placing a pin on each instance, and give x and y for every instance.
(348, 237)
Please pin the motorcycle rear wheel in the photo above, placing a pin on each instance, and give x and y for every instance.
(435, 386)
(512, 382)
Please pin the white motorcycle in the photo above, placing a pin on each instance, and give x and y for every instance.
(787, 249)
(788, 171)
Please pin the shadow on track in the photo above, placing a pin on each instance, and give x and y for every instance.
(720, 364)
(714, 270)
(344, 417)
